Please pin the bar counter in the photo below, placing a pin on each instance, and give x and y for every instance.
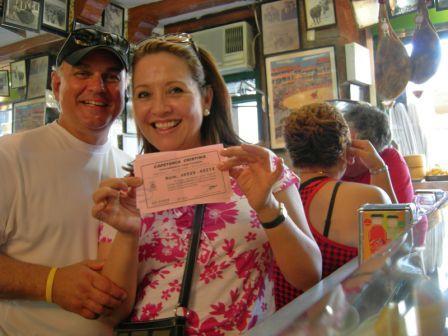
(401, 290)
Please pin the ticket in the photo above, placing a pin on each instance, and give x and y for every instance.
(180, 178)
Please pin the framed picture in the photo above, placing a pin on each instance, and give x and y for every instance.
(23, 14)
(280, 26)
(441, 5)
(297, 79)
(18, 74)
(366, 12)
(402, 7)
(29, 114)
(319, 13)
(114, 19)
(4, 83)
(55, 15)
(38, 77)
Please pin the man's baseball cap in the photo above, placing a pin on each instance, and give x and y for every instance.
(82, 41)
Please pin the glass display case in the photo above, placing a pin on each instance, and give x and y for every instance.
(401, 290)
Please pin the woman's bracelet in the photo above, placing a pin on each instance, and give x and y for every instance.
(49, 285)
(380, 170)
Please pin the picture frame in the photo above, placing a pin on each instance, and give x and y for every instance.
(4, 83)
(55, 16)
(297, 79)
(281, 30)
(404, 7)
(113, 19)
(29, 114)
(18, 74)
(38, 76)
(23, 14)
(441, 5)
(320, 13)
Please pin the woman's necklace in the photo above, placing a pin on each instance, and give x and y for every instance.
(313, 172)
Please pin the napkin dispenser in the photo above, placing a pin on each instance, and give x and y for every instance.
(379, 224)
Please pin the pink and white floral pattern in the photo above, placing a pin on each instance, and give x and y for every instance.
(232, 287)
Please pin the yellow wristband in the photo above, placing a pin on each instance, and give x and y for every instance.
(49, 286)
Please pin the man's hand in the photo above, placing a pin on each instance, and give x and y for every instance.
(81, 289)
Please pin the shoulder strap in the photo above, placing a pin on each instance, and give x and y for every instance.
(191, 256)
(330, 209)
(311, 180)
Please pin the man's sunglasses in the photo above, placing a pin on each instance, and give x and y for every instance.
(88, 37)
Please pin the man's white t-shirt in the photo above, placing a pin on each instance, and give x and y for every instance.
(47, 177)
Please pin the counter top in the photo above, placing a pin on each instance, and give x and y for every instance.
(401, 290)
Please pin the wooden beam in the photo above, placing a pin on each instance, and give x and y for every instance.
(169, 8)
(89, 11)
(41, 44)
(140, 25)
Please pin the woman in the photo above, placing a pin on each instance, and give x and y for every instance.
(368, 123)
(181, 102)
(318, 141)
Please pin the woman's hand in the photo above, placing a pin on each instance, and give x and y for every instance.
(115, 204)
(255, 169)
(368, 155)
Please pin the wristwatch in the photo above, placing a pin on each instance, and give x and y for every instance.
(277, 220)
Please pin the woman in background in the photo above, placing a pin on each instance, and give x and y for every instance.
(367, 122)
(318, 141)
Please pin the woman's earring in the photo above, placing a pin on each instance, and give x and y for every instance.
(206, 112)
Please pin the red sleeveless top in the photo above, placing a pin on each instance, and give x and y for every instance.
(334, 255)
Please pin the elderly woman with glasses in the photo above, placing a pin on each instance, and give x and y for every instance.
(318, 141)
(181, 102)
(369, 123)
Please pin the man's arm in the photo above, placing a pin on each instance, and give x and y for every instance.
(78, 288)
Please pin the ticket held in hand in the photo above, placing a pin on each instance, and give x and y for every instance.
(181, 178)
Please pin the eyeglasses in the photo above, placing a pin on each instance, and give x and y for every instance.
(88, 37)
(181, 38)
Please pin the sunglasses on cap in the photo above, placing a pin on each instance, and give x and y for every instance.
(90, 39)
(181, 38)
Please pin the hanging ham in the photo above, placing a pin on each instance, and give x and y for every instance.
(392, 63)
(426, 50)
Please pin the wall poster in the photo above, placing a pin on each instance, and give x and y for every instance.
(29, 114)
(280, 26)
(297, 79)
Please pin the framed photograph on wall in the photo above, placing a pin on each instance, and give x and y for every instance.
(38, 77)
(402, 7)
(4, 83)
(29, 114)
(55, 15)
(114, 19)
(23, 14)
(280, 26)
(296, 79)
(319, 13)
(18, 74)
(441, 5)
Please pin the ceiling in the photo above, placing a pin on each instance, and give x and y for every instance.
(8, 37)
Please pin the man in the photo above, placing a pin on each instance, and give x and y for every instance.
(47, 177)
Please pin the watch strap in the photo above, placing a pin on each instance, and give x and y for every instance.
(276, 221)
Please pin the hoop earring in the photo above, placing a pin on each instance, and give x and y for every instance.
(206, 112)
